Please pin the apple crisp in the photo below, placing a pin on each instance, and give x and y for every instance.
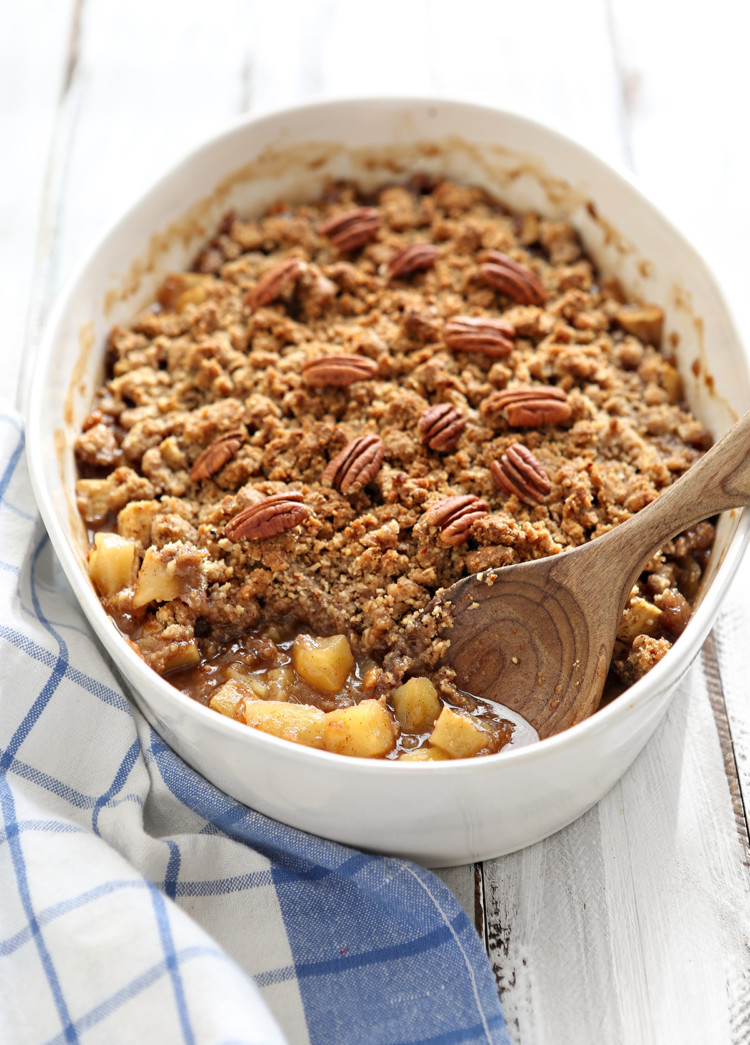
(348, 405)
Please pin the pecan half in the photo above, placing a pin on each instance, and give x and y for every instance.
(455, 516)
(441, 426)
(356, 465)
(513, 279)
(272, 515)
(215, 456)
(519, 472)
(338, 371)
(351, 230)
(491, 337)
(270, 285)
(529, 407)
(410, 259)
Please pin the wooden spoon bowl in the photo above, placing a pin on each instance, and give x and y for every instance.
(538, 637)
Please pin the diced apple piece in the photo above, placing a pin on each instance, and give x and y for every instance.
(111, 562)
(365, 730)
(299, 723)
(155, 581)
(92, 496)
(134, 521)
(640, 617)
(458, 734)
(323, 662)
(425, 754)
(186, 655)
(194, 296)
(416, 704)
(259, 689)
(238, 671)
(227, 697)
(181, 289)
(222, 703)
(279, 682)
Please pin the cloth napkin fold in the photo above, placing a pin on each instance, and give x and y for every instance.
(139, 903)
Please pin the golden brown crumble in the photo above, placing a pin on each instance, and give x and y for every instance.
(352, 403)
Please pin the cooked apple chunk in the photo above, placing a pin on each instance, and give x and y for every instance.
(416, 705)
(279, 682)
(299, 723)
(111, 563)
(640, 617)
(227, 697)
(259, 690)
(366, 730)
(174, 571)
(181, 289)
(182, 655)
(323, 662)
(425, 754)
(156, 581)
(458, 734)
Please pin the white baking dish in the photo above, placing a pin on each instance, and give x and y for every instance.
(446, 812)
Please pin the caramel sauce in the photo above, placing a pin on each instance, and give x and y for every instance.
(265, 657)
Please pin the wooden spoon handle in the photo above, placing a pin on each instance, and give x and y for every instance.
(718, 481)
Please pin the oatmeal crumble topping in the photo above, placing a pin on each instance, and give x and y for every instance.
(352, 403)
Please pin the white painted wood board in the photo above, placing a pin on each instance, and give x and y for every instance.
(632, 924)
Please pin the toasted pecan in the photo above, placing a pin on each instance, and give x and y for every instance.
(272, 515)
(412, 258)
(519, 472)
(356, 465)
(529, 407)
(487, 335)
(338, 371)
(270, 285)
(351, 230)
(441, 426)
(455, 516)
(215, 456)
(512, 278)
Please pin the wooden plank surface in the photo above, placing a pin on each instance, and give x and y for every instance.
(686, 80)
(660, 953)
(631, 925)
(31, 80)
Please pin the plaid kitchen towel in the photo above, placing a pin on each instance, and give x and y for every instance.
(139, 903)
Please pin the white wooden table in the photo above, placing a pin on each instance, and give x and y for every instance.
(633, 924)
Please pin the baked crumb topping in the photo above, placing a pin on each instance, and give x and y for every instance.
(350, 404)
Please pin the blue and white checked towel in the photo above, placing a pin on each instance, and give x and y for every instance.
(140, 904)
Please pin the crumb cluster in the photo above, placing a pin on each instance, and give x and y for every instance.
(245, 352)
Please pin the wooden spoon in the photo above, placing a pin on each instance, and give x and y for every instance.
(538, 637)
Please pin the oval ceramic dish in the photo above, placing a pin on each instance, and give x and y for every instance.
(444, 812)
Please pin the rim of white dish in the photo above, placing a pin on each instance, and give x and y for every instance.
(650, 686)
